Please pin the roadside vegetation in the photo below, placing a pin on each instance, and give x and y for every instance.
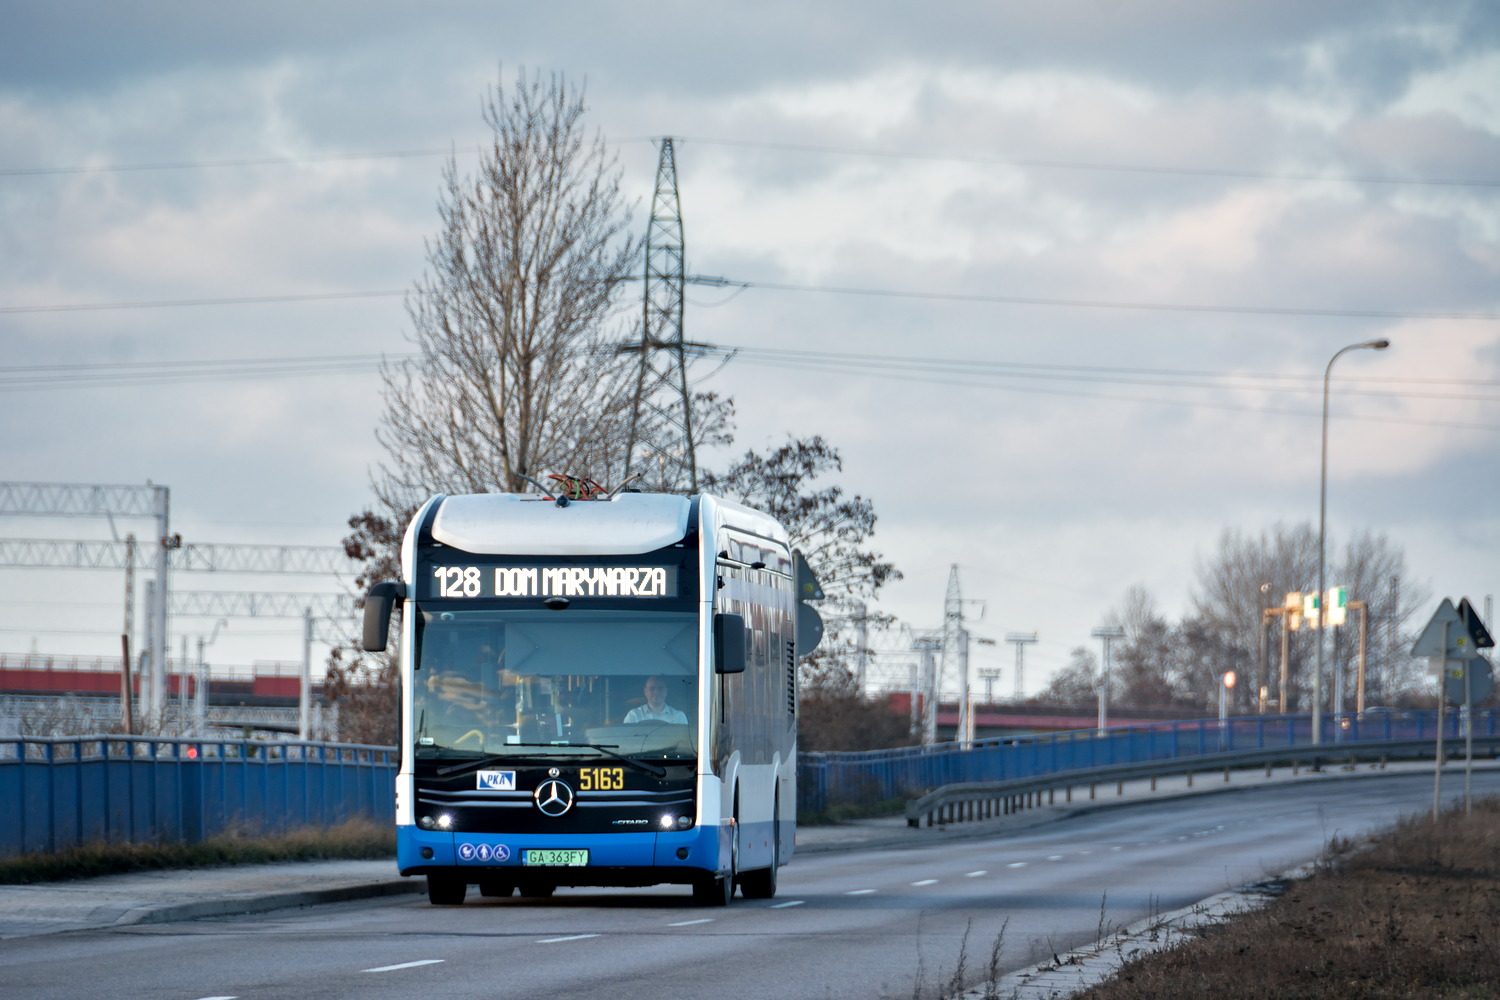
(1414, 912)
(358, 838)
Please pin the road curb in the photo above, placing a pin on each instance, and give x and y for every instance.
(264, 902)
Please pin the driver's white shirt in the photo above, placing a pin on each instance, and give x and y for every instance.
(643, 713)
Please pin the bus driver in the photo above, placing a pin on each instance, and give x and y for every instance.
(656, 708)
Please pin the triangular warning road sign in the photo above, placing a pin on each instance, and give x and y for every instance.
(1439, 633)
(1477, 631)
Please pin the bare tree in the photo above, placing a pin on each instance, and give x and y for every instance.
(1146, 666)
(1374, 570)
(517, 320)
(1076, 684)
(1250, 573)
(831, 528)
(364, 688)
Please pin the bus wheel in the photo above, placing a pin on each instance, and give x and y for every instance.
(759, 884)
(446, 890)
(713, 890)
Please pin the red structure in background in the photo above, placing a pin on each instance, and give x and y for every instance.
(268, 689)
(998, 721)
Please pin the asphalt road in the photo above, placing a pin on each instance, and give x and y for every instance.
(863, 924)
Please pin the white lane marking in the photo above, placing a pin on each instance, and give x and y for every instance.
(1118, 847)
(689, 923)
(782, 906)
(1016, 864)
(859, 892)
(926, 881)
(1085, 853)
(976, 874)
(218, 998)
(1054, 857)
(570, 937)
(405, 965)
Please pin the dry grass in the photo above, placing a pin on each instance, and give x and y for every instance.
(1415, 913)
(358, 838)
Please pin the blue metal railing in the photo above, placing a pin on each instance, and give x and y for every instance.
(63, 793)
(827, 779)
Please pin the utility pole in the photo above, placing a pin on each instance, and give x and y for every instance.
(862, 645)
(1105, 634)
(927, 646)
(990, 676)
(156, 711)
(1021, 641)
(127, 693)
(304, 688)
(956, 655)
(661, 415)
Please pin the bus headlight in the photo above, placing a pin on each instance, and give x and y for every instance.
(426, 822)
(683, 822)
(445, 822)
(668, 821)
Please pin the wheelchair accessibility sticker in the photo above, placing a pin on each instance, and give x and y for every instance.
(483, 852)
(496, 781)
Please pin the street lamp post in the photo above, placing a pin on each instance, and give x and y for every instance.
(1226, 682)
(1317, 691)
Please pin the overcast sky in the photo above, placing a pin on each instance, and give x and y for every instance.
(1137, 230)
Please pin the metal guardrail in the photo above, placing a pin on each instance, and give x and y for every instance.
(969, 801)
(60, 793)
(829, 779)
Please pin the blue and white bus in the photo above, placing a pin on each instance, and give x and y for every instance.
(596, 692)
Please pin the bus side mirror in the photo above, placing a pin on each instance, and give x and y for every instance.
(729, 644)
(378, 604)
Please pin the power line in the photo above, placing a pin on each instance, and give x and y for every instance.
(914, 368)
(1134, 168)
(248, 161)
(1030, 162)
(160, 372)
(1159, 400)
(895, 293)
(240, 300)
(907, 367)
(1123, 304)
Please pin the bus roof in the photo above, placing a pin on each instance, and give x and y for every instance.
(507, 524)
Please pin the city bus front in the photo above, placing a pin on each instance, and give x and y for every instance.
(552, 720)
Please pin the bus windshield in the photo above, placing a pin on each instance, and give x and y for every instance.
(554, 684)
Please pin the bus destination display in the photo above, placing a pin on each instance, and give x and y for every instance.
(552, 581)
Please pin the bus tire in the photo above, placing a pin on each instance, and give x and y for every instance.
(713, 890)
(446, 890)
(759, 884)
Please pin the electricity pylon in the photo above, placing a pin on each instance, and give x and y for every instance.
(661, 417)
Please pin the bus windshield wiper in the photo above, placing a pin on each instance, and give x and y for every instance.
(651, 769)
(474, 765)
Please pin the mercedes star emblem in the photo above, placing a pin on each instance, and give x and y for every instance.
(553, 798)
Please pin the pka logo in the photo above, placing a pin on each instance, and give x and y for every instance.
(496, 781)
